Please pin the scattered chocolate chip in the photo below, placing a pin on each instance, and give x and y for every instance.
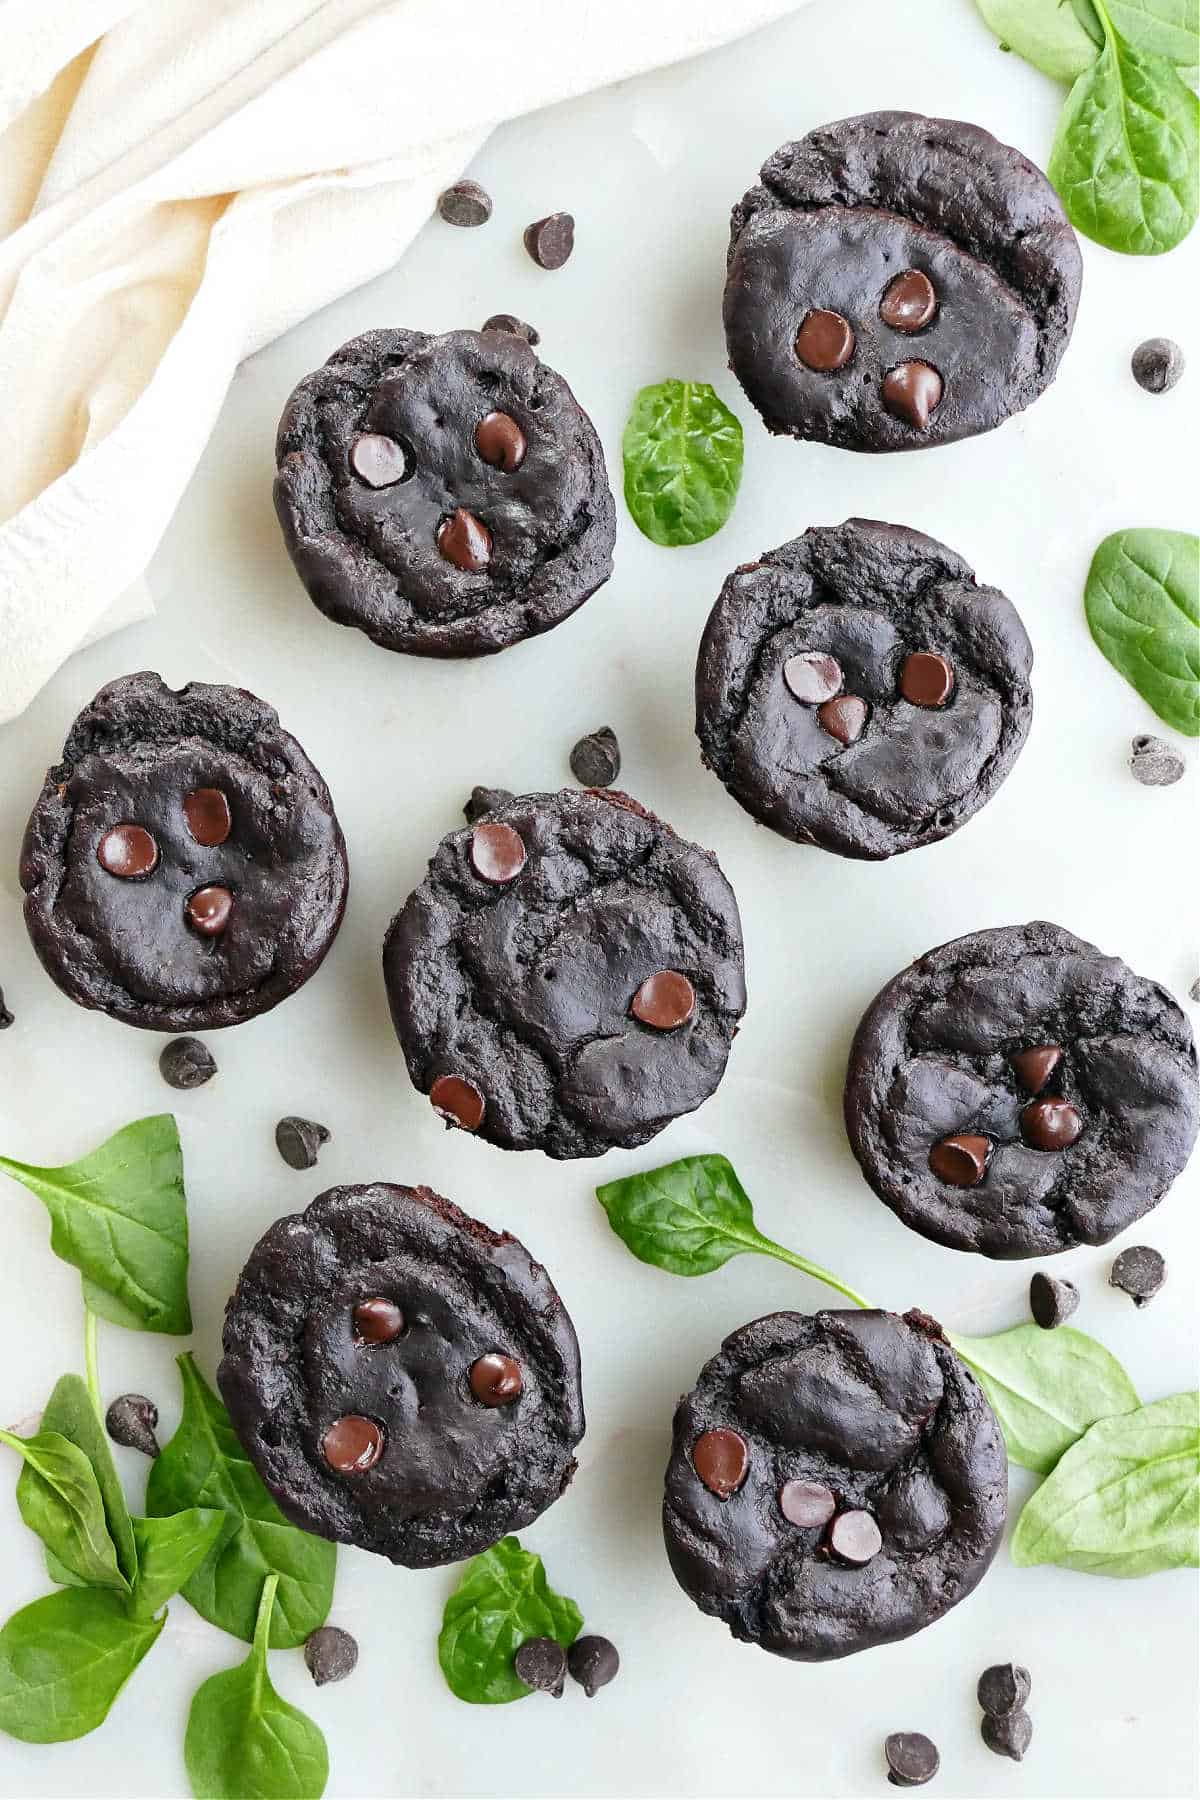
(912, 391)
(485, 800)
(926, 679)
(1050, 1124)
(1008, 1734)
(130, 1421)
(186, 1063)
(1052, 1300)
(330, 1654)
(1157, 364)
(1139, 1272)
(912, 1758)
(127, 851)
(466, 203)
(352, 1444)
(664, 1001)
(721, 1458)
(496, 1379)
(1034, 1067)
(458, 1101)
(1156, 763)
(806, 1503)
(1194, 990)
(465, 541)
(6, 1018)
(596, 758)
(379, 461)
(541, 1663)
(208, 910)
(500, 442)
(299, 1141)
(593, 1662)
(843, 718)
(516, 327)
(909, 301)
(855, 1537)
(812, 677)
(825, 341)
(1004, 1688)
(208, 817)
(497, 852)
(551, 240)
(377, 1321)
(961, 1161)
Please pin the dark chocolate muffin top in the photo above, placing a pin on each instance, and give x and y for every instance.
(183, 867)
(402, 1377)
(836, 1482)
(1017, 1092)
(446, 495)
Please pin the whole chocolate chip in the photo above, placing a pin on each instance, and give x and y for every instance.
(596, 758)
(485, 800)
(497, 852)
(1156, 763)
(551, 240)
(466, 203)
(208, 910)
(130, 1421)
(500, 442)
(912, 1758)
(1050, 1124)
(1157, 364)
(6, 1018)
(843, 718)
(299, 1141)
(1052, 1300)
(825, 341)
(458, 1101)
(186, 1063)
(515, 327)
(330, 1654)
(209, 819)
(664, 1001)
(1139, 1272)
(926, 679)
(379, 461)
(806, 1503)
(1004, 1688)
(496, 1379)
(127, 851)
(855, 1537)
(377, 1321)
(1034, 1067)
(352, 1444)
(1008, 1734)
(593, 1662)
(812, 677)
(909, 301)
(721, 1458)
(465, 541)
(960, 1161)
(541, 1663)
(912, 391)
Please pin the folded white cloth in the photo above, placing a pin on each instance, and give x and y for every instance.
(178, 184)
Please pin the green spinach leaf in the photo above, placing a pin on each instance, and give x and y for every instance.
(1124, 1500)
(204, 1465)
(1142, 602)
(683, 462)
(1046, 1388)
(170, 1550)
(119, 1215)
(502, 1599)
(1046, 33)
(69, 1411)
(1169, 28)
(64, 1660)
(60, 1501)
(244, 1742)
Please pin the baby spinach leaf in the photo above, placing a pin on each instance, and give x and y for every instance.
(1046, 33)
(170, 1550)
(60, 1500)
(502, 1599)
(204, 1465)
(244, 1742)
(1142, 602)
(1046, 1388)
(64, 1660)
(1124, 1500)
(69, 1411)
(683, 462)
(119, 1215)
(1169, 28)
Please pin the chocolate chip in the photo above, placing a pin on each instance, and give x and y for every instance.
(843, 718)
(912, 391)
(1139, 1272)
(1156, 763)
(500, 442)
(825, 341)
(909, 301)
(541, 1663)
(465, 541)
(497, 853)
(721, 1458)
(551, 240)
(596, 758)
(1003, 1688)
(515, 327)
(6, 1018)
(208, 817)
(466, 203)
(208, 910)
(379, 461)
(1194, 990)
(299, 1141)
(926, 679)
(961, 1161)
(130, 1421)
(806, 1503)
(664, 1001)
(1008, 1734)
(812, 677)
(458, 1101)
(186, 1063)
(496, 1379)
(377, 1321)
(485, 800)
(127, 851)
(1050, 1124)
(1052, 1300)
(352, 1444)
(1157, 364)
(1034, 1067)
(593, 1662)
(855, 1537)
(912, 1758)
(330, 1654)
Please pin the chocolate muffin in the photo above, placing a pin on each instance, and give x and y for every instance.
(446, 495)
(836, 1482)
(402, 1377)
(183, 867)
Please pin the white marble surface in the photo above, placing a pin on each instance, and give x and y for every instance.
(650, 170)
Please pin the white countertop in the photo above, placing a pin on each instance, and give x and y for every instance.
(650, 170)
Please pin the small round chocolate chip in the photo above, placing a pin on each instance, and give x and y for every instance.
(379, 461)
(1052, 1300)
(515, 327)
(909, 301)
(496, 1379)
(806, 1503)
(1050, 1124)
(541, 1663)
(912, 391)
(497, 853)
(593, 1662)
(1034, 1067)
(127, 851)
(186, 1063)
(130, 1421)
(465, 541)
(664, 1001)
(1008, 1734)
(1003, 1688)
(1157, 364)
(299, 1141)
(1139, 1272)
(6, 1018)
(812, 677)
(466, 204)
(960, 1161)
(352, 1444)
(330, 1654)
(596, 758)
(825, 341)
(551, 240)
(209, 819)
(458, 1101)
(208, 910)
(843, 718)
(377, 1321)
(721, 1459)
(855, 1537)
(1155, 763)
(500, 442)
(926, 679)
(485, 800)
(912, 1758)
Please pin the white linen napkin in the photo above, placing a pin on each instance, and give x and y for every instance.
(178, 184)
